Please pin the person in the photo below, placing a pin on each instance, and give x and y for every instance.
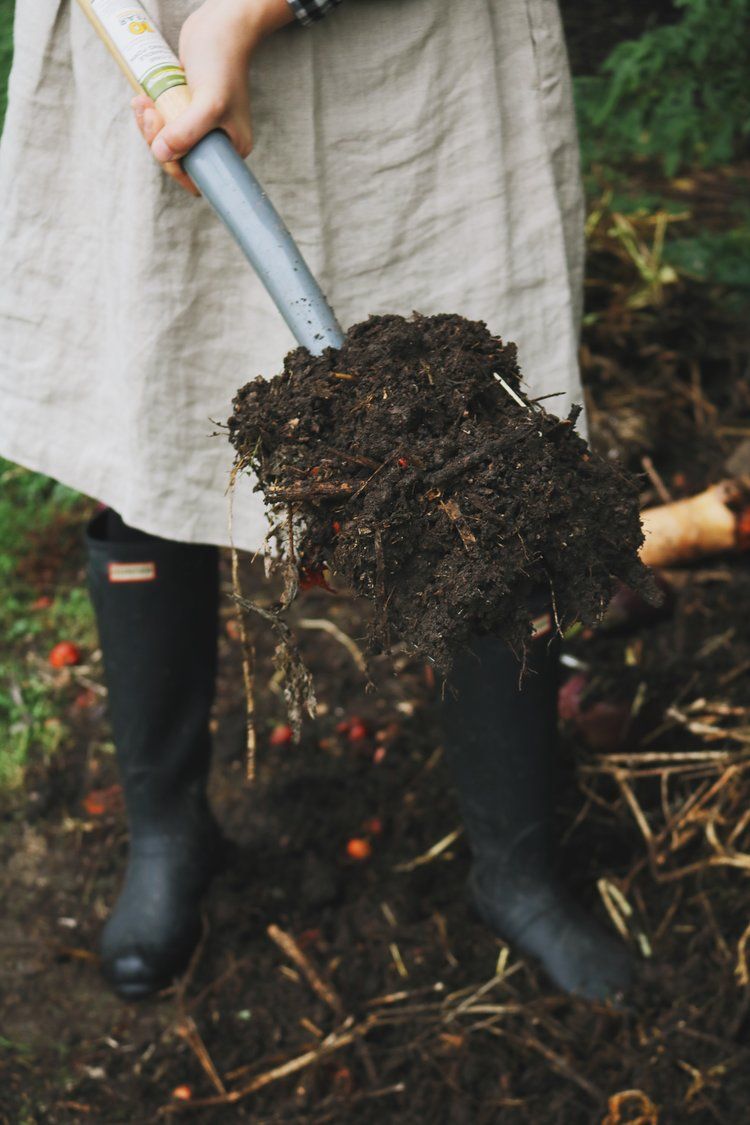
(424, 155)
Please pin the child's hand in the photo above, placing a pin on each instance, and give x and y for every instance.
(216, 44)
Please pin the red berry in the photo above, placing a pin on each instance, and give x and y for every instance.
(313, 576)
(281, 735)
(182, 1093)
(359, 849)
(84, 700)
(357, 731)
(743, 530)
(100, 802)
(43, 602)
(64, 654)
(402, 463)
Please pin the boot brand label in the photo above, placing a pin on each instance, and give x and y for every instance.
(541, 625)
(132, 572)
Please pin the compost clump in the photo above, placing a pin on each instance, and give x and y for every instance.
(411, 465)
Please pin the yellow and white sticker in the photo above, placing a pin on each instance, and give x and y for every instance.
(141, 44)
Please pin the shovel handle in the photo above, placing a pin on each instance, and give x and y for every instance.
(220, 174)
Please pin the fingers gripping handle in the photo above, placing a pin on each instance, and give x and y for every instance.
(221, 175)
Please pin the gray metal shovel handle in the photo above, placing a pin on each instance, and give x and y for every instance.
(222, 175)
(243, 206)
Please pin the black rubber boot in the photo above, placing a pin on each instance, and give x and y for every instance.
(501, 743)
(156, 604)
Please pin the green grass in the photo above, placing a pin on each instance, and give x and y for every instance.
(6, 51)
(32, 694)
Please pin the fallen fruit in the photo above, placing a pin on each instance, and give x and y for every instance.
(308, 937)
(373, 825)
(313, 576)
(102, 801)
(43, 602)
(281, 735)
(602, 725)
(343, 1082)
(64, 654)
(182, 1093)
(84, 700)
(628, 610)
(359, 849)
(357, 731)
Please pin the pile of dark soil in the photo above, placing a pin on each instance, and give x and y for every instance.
(420, 473)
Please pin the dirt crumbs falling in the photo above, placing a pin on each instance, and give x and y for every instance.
(411, 465)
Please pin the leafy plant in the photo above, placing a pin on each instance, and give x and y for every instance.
(6, 52)
(719, 258)
(679, 93)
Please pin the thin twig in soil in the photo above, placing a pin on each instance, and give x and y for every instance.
(248, 653)
(653, 475)
(188, 1030)
(338, 634)
(557, 1062)
(470, 1005)
(322, 988)
(431, 853)
(308, 493)
(516, 398)
(334, 1042)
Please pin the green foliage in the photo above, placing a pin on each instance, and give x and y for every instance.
(679, 94)
(721, 258)
(26, 499)
(6, 51)
(30, 700)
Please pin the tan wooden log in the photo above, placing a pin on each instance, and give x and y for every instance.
(701, 525)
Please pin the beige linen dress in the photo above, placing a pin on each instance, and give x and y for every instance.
(423, 154)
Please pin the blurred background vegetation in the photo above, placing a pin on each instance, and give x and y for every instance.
(664, 111)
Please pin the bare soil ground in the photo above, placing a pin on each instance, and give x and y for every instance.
(446, 1025)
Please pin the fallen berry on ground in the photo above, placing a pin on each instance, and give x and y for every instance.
(64, 654)
(281, 735)
(359, 849)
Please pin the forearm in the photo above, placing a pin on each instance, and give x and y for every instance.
(262, 17)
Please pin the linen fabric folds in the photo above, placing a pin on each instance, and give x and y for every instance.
(422, 152)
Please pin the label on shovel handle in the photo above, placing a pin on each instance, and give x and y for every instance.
(141, 44)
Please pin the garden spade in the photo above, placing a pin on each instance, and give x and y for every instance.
(221, 174)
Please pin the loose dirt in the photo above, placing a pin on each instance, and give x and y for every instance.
(412, 465)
